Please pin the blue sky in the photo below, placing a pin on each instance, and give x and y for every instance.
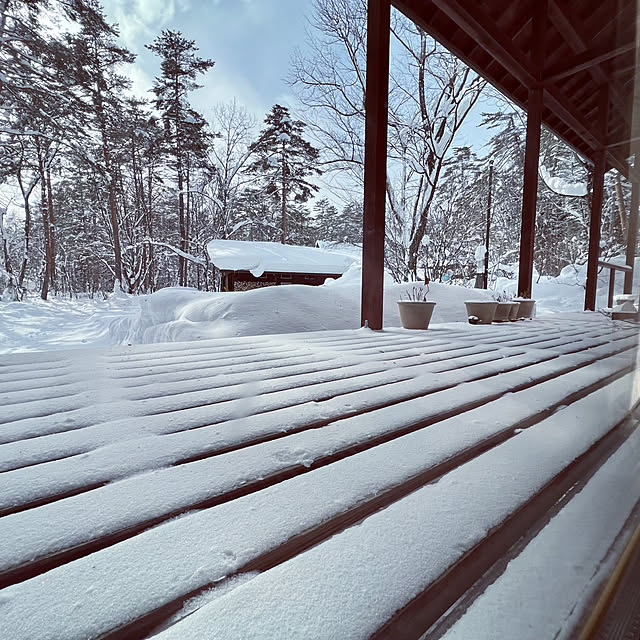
(250, 41)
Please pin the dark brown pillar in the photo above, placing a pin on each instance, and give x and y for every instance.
(532, 150)
(599, 169)
(530, 192)
(375, 162)
(632, 226)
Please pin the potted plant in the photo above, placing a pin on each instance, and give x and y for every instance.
(526, 308)
(481, 311)
(504, 308)
(416, 310)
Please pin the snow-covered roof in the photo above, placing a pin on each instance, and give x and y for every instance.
(258, 257)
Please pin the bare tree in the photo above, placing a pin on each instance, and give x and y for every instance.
(430, 94)
(229, 155)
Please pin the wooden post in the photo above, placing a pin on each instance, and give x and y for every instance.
(532, 152)
(594, 230)
(632, 226)
(599, 169)
(612, 287)
(486, 248)
(530, 192)
(375, 162)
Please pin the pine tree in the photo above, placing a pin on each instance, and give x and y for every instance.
(326, 219)
(350, 223)
(284, 161)
(185, 128)
(97, 59)
(38, 104)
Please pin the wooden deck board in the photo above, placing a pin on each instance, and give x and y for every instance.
(311, 423)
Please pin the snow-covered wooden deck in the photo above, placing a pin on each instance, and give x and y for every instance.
(330, 485)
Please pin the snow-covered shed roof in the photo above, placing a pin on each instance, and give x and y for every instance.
(259, 257)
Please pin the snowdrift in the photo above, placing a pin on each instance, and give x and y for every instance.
(176, 314)
(182, 314)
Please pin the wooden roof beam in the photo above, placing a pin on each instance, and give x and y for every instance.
(620, 143)
(585, 61)
(479, 27)
(565, 24)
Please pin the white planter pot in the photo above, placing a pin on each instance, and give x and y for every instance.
(483, 310)
(513, 314)
(502, 312)
(527, 308)
(415, 314)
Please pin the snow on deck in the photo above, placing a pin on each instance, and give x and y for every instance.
(317, 485)
(258, 257)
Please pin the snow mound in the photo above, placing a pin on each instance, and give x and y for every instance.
(183, 314)
(179, 314)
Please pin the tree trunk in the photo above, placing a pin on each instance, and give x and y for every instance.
(150, 278)
(187, 224)
(44, 293)
(52, 230)
(26, 193)
(5, 249)
(113, 207)
(181, 227)
(283, 219)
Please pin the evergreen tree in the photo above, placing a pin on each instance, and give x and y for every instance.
(39, 111)
(350, 223)
(97, 59)
(284, 161)
(326, 219)
(185, 129)
(458, 220)
(255, 216)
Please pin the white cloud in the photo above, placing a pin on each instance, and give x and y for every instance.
(141, 81)
(142, 19)
(222, 87)
(155, 12)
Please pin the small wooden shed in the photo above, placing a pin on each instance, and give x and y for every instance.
(248, 265)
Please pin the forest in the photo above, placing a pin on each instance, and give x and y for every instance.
(100, 186)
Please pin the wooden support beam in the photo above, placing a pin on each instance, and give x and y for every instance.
(632, 226)
(599, 169)
(625, 169)
(532, 155)
(530, 192)
(479, 26)
(594, 230)
(375, 161)
(584, 61)
(565, 22)
(632, 229)
(620, 143)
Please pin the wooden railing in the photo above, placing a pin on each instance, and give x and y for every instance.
(612, 276)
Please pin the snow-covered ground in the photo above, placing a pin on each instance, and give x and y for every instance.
(100, 442)
(182, 314)
(155, 440)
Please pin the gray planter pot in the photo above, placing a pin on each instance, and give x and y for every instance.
(527, 307)
(503, 310)
(483, 310)
(513, 314)
(415, 314)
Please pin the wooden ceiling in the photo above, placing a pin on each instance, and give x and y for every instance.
(583, 53)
